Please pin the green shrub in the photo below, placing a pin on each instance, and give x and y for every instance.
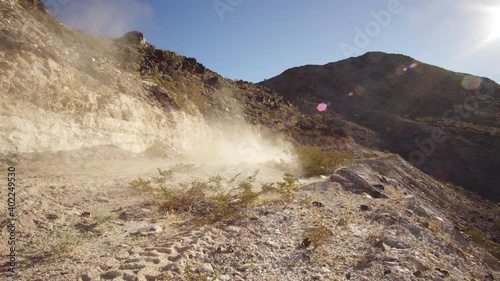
(496, 224)
(315, 161)
(495, 132)
(139, 183)
(103, 219)
(288, 187)
(478, 237)
(318, 235)
(213, 200)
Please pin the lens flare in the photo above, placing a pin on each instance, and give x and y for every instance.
(471, 82)
(322, 107)
(400, 70)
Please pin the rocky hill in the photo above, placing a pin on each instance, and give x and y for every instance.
(445, 123)
(134, 163)
(64, 89)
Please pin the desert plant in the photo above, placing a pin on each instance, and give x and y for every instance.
(61, 243)
(316, 161)
(140, 183)
(318, 235)
(103, 219)
(479, 238)
(212, 200)
(496, 224)
(191, 276)
(164, 176)
(495, 132)
(288, 187)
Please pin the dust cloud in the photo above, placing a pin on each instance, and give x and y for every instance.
(228, 149)
(109, 18)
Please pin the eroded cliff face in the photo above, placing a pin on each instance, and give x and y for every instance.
(63, 89)
(55, 96)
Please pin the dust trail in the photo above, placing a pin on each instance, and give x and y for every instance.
(228, 149)
(110, 18)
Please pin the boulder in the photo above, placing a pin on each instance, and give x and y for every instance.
(354, 183)
(134, 38)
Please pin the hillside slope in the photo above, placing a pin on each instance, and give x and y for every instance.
(64, 90)
(445, 123)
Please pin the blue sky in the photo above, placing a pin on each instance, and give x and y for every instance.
(257, 39)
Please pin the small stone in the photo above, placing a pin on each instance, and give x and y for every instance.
(206, 268)
(89, 276)
(395, 243)
(245, 267)
(442, 273)
(121, 255)
(108, 263)
(129, 277)
(52, 217)
(224, 278)
(305, 243)
(233, 229)
(132, 266)
(172, 267)
(132, 260)
(149, 230)
(325, 270)
(317, 204)
(387, 271)
(271, 244)
(112, 274)
(364, 208)
(148, 273)
(124, 216)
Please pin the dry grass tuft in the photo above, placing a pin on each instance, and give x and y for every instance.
(214, 200)
(315, 161)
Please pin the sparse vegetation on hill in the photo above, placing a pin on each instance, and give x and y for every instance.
(495, 132)
(316, 161)
(213, 200)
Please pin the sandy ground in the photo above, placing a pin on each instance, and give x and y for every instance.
(79, 219)
(56, 192)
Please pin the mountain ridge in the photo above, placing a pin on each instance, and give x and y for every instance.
(407, 103)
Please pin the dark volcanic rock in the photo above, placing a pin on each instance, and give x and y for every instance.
(133, 37)
(426, 114)
(354, 183)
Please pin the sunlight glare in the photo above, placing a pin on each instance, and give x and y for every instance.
(495, 23)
